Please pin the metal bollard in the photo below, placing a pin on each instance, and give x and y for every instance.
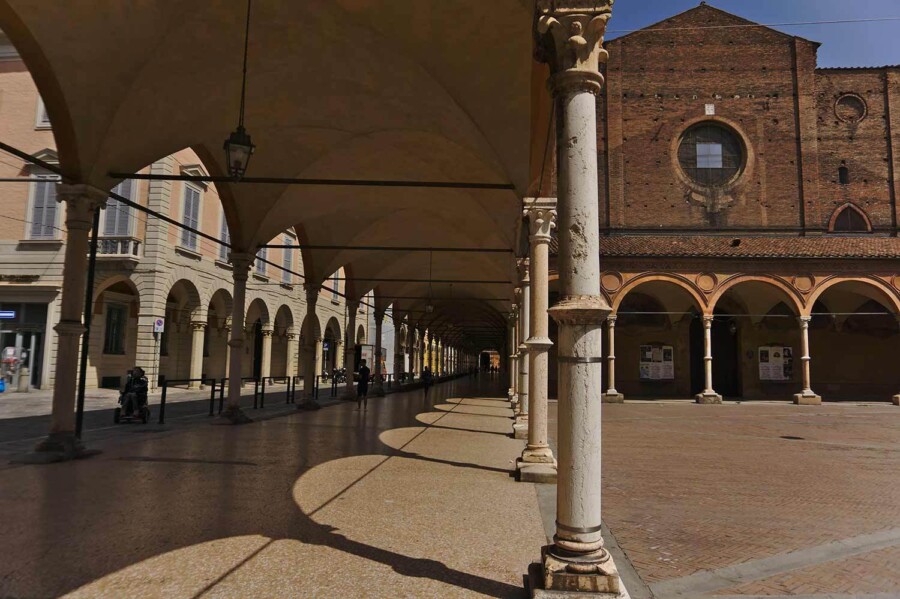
(255, 392)
(162, 403)
(316, 391)
(262, 395)
(212, 398)
(222, 395)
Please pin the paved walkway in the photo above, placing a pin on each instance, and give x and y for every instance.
(411, 498)
(755, 499)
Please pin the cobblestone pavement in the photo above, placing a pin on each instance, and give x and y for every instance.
(410, 498)
(755, 499)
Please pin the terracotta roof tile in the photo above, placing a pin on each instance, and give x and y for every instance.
(708, 246)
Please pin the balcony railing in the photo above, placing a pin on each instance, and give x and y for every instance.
(119, 247)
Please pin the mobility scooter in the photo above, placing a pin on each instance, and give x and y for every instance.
(133, 399)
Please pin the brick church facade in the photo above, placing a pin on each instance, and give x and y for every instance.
(746, 190)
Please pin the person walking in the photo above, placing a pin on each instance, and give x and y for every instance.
(426, 379)
(362, 387)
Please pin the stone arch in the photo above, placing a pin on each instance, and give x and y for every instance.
(183, 306)
(218, 326)
(284, 318)
(219, 305)
(112, 352)
(863, 218)
(257, 309)
(360, 335)
(795, 300)
(674, 279)
(879, 287)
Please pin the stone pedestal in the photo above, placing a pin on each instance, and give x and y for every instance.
(612, 398)
(551, 579)
(802, 399)
(708, 398)
(529, 472)
(520, 427)
(896, 400)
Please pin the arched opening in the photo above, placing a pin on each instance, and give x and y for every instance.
(113, 342)
(257, 321)
(854, 340)
(844, 175)
(849, 219)
(218, 327)
(182, 308)
(281, 346)
(654, 347)
(756, 341)
(331, 359)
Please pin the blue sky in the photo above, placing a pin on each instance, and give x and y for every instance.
(843, 45)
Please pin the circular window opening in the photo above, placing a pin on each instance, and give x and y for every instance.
(850, 108)
(711, 155)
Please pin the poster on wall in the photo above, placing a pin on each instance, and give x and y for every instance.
(657, 363)
(776, 363)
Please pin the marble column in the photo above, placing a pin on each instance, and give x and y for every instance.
(81, 203)
(611, 395)
(378, 386)
(537, 463)
(319, 352)
(240, 268)
(350, 349)
(807, 397)
(198, 330)
(709, 396)
(513, 392)
(570, 38)
(520, 428)
(265, 366)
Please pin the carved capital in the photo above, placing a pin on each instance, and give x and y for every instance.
(312, 293)
(580, 310)
(522, 265)
(198, 325)
(81, 202)
(570, 39)
(541, 214)
(240, 264)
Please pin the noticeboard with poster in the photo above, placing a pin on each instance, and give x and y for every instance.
(657, 363)
(776, 363)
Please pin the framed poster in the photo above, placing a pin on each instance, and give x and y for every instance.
(657, 363)
(776, 363)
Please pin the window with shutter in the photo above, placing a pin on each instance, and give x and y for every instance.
(44, 209)
(190, 216)
(42, 121)
(260, 265)
(286, 276)
(116, 215)
(225, 236)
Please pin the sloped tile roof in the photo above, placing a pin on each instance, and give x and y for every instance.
(708, 246)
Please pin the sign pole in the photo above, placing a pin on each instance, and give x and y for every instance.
(86, 337)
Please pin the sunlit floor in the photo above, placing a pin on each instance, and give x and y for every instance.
(410, 498)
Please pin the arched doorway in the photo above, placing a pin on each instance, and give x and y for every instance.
(218, 325)
(756, 340)
(281, 346)
(854, 337)
(654, 345)
(257, 320)
(331, 346)
(182, 308)
(113, 342)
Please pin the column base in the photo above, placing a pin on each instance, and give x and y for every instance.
(552, 578)
(535, 472)
(56, 447)
(708, 398)
(538, 455)
(520, 427)
(896, 400)
(612, 398)
(807, 400)
(233, 416)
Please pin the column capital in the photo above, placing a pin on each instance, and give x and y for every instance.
(570, 39)
(312, 293)
(240, 264)
(708, 320)
(804, 321)
(198, 325)
(522, 268)
(541, 215)
(611, 319)
(81, 202)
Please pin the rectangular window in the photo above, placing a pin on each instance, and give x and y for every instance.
(42, 119)
(334, 287)
(44, 209)
(224, 235)
(190, 216)
(709, 155)
(114, 339)
(286, 276)
(117, 215)
(260, 265)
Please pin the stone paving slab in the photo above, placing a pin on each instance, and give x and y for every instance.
(334, 503)
(690, 489)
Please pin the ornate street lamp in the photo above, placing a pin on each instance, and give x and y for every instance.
(238, 147)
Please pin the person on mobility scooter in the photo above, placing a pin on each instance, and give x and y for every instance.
(133, 399)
